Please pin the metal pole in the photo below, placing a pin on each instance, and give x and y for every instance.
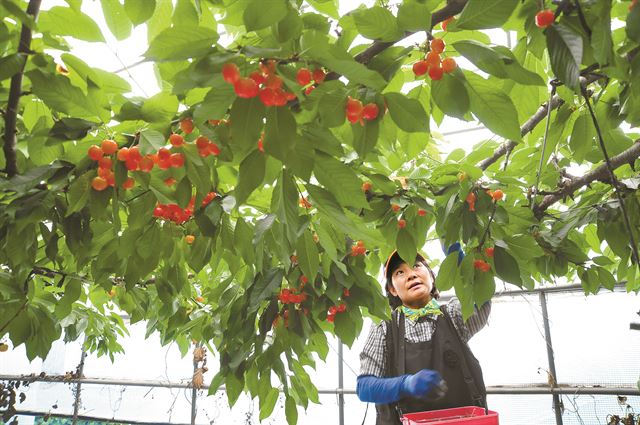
(79, 374)
(557, 404)
(194, 393)
(340, 385)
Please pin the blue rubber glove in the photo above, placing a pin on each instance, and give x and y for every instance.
(455, 247)
(379, 390)
(421, 383)
(389, 390)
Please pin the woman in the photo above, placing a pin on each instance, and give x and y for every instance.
(405, 361)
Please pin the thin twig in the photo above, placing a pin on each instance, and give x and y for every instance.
(625, 215)
(544, 147)
(11, 114)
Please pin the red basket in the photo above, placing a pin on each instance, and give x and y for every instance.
(471, 415)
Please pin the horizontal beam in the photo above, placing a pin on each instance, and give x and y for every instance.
(498, 389)
(36, 413)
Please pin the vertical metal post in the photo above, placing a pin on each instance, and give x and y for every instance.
(340, 385)
(80, 375)
(194, 391)
(557, 404)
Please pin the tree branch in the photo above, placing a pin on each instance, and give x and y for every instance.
(602, 172)
(527, 127)
(11, 115)
(452, 8)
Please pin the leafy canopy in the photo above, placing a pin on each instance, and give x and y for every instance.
(253, 215)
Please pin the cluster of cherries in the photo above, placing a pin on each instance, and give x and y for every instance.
(106, 177)
(266, 84)
(357, 112)
(335, 309)
(205, 146)
(173, 212)
(291, 296)
(433, 64)
(496, 195)
(358, 249)
(481, 265)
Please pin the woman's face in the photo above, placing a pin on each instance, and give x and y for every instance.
(412, 284)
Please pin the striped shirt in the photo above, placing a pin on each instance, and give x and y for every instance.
(373, 356)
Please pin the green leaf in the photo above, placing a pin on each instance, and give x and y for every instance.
(79, 191)
(524, 246)
(151, 141)
(291, 410)
(246, 121)
(251, 175)
(280, 132)
(69, 22)
(565, 53)
(11, 65)
(265, 286)
(200, 252)
(406, 245)
(268, 402)
(414, 16)
(492, 107)
(178, 43)
(601, 32)
(450, 95)
(263, 13)
(284, 204)
(307, 252)
(377, 23)
(633, 24)
(449, 272)
(217, 101)
(116, 18)
(484, 286)
(288, 28)
(365, 137)
(160, 108)
(60, 95)
(582, 136)
(407, 113)
(340, 180)
(484, 14)
(139, 12)
(507, 267)
(71, 129)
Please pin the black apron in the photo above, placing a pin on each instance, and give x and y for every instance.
(447, 354)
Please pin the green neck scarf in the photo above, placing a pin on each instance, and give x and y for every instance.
(414, 314)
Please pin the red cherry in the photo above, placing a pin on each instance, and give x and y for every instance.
(123, 153)
(99, 184)
(176, 140)
(422, 212)
(449, 65)
(230, 73)
(95, 153)
(146, 164)
(109, 147)
(129, 183)
(370, 111)
(435, 72)
(105, 162)
(402, 223)
(163, 154)
(246, 88)
(257, 77)
(318, 75)
(273, 81)
(186, 125)
(202, 142)
(545, 18)
(420, 68)
(268, 96)
(177, 160)
(437, 45)
(303, 77)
